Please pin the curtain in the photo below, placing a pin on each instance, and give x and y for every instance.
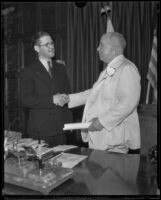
(135, 20)
(84, 29)
(85, 25)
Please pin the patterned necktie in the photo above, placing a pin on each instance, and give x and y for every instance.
(49, 68)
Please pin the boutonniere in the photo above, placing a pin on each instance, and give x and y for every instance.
(110, 71)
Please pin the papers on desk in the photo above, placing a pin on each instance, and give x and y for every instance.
(29, 142)
(25, 142)
(12, 135)
(76, 126)
(40, 150)
(63, 147)
(69, 160)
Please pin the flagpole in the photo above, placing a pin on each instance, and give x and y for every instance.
(107, 12)
(152, 72)
(147, 94)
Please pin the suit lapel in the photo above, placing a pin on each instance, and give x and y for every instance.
(41, 72)
(102, 77)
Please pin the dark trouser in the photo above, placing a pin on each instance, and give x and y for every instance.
(134, 151)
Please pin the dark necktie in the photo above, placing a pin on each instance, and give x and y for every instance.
(49, 68)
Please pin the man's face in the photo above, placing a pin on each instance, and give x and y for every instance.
(46, 48)
(105, 49)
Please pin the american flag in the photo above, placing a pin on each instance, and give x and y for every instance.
(106, 10)
(109, 25)
(152, 71)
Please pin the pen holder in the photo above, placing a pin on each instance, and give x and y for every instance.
(40, 163)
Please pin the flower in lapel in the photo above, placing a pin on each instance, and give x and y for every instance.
(110, 71)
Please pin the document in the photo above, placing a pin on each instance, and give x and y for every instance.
(63, 147)
(76, 126)
(69, 160)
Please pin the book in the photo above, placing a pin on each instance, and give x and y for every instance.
(73, 126)
(63, 147)
(69, 160)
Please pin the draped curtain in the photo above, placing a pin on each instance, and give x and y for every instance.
(135, 20)
(85, 27)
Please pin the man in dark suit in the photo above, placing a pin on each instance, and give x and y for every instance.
(41, 84)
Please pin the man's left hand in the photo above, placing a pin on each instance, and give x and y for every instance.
(95, 125)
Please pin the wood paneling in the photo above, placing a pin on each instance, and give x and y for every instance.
(19, 26)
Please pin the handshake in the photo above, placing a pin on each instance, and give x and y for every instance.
(60, 99)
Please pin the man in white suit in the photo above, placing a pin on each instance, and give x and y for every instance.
(111, 104)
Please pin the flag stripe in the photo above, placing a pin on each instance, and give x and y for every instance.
(109, 25)
(109, 28)
(155, 45)
(152, 65)
(154, 55)
(152, 79)
(155, 94)
(152, 71)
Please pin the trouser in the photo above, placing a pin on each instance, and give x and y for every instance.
(134, 151)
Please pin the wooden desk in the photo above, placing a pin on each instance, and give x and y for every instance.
(148, 131)
(103, 173)
(148, 126)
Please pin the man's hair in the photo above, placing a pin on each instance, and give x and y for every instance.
(38, 35)
(117, 39)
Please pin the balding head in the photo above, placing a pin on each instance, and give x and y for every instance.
(116, 40)
(111, 45)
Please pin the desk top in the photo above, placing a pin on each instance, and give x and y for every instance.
(103, 173)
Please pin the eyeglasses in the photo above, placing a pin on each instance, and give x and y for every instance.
(47, 44)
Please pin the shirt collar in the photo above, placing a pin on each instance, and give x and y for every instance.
(116, 61)
(44, 62)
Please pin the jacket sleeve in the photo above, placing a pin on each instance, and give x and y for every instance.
(127, 98)
(78, 99)
(27, 92)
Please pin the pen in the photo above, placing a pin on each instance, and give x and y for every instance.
(5, 141)
(39, 149)
(55, 157)
(54, 160)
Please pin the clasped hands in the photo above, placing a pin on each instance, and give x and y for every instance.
(60, 99)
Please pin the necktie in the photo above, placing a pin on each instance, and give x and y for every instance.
(49, 68)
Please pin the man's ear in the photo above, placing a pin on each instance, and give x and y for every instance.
(36, 48)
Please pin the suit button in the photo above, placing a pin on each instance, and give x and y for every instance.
(50, 113)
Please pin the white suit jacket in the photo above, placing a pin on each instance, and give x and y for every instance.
(114, 100)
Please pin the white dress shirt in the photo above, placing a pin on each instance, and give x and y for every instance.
(45, 63)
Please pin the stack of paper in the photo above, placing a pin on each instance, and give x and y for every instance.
(69, 160)
(63, 147)
(76, 126)
(25, 142)
(12, 135)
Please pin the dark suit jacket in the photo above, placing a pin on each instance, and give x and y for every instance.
(37, 90)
